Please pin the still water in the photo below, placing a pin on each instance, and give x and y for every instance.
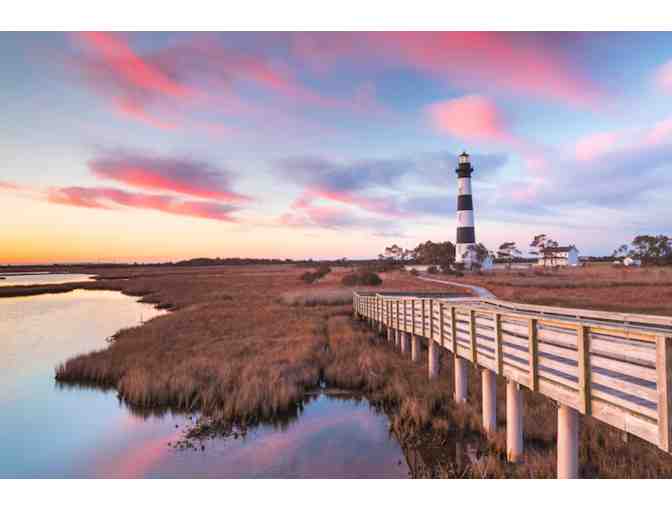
(8, 279)
(52, 431)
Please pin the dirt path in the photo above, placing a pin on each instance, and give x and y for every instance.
(479, 291)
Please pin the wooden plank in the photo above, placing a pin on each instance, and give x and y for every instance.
(664, 387)
(520, 342)
(463, 352)
(644, 373)
(510, 327)
(508, 361)
(626, 333)
(622, 420)
(558, 366)
(557, 337)
(558, 392)
(624, 403)
(515, 374)
(583, 339)
(561, 352)
(625, 386)
(533, 354)
(625, 349)
(551, 376)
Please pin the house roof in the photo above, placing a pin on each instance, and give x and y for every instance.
(558, 249)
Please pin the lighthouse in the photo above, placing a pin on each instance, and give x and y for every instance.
(466, 235)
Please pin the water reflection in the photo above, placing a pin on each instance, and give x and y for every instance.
(9, 279)
(56, 430)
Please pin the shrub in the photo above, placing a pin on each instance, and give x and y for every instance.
(432, 269)
(361, 278)
(309, 277)
(415, 272)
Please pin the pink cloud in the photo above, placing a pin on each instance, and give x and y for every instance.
(518, 63)
(664, 77)
(110, 198)
(375, 205)
(116, 54)
(594, 145)
(186, 177)
(470, 118)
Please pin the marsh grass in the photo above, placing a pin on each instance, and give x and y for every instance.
(238, 350)
(314, 297)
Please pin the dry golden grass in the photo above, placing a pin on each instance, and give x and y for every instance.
(232, 348)
(236, 351)
(597, 287)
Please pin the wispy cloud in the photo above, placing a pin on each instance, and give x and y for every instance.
(110, 198)
(179, 175)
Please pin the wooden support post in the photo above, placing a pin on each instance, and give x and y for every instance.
(533, 357)
(453, 331)
(472, 335)
(389, 335)
(489, 390)
(583, 345)
(499, 358)
(514, 421)
(433, 359)
(405, 343)
(415, 348)
(664, 386)
(568, 442)
(460, 379)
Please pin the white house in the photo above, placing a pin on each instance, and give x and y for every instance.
(559, 256)
(629, 261)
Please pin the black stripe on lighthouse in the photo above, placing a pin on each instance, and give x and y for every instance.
(466, 235)
(465, 203)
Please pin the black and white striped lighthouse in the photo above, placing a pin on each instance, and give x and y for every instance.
(466, 235)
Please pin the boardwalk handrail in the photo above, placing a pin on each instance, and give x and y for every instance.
(614, 367)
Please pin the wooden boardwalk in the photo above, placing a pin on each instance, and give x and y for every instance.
(614, 367)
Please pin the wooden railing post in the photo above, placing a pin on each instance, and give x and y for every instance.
(441, 325)
(583, 346)
(431, 320)
(472, 334)
(499, 358)
(533, 357)
(423, 302)
(413, 316)
(664, 387)
(453, 330)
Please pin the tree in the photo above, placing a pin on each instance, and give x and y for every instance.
(621, 251)
(539, 244)
(478, 253)
(508, 251)
(395, 252)
(652, 249)
(435, 254)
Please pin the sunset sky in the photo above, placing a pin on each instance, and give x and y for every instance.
(164, 146)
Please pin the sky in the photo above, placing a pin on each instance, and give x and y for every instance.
(156, 146)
